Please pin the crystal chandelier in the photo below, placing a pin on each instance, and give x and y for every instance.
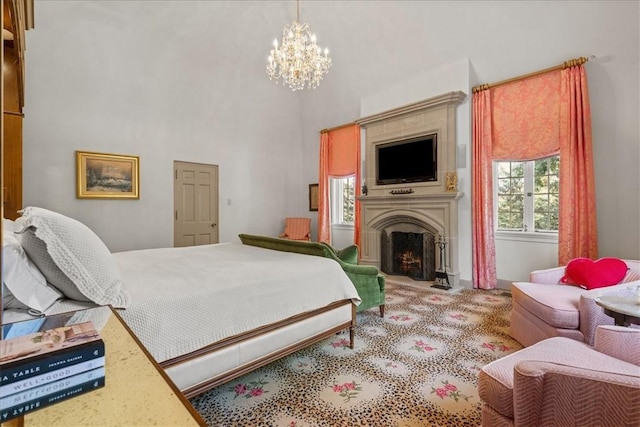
(298, 61)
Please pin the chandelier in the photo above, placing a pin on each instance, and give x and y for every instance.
(298, 61)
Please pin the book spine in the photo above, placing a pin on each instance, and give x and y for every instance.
(50, 388)
(29, 368)
(49, 377)
(7, 414)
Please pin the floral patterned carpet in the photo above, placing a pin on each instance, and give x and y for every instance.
(416, 367)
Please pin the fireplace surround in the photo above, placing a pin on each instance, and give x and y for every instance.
(429, 208)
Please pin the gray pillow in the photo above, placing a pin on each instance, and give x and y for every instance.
(71, 257)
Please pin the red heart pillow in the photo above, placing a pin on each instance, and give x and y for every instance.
(589, 274)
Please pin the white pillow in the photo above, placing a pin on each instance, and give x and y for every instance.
(71, 257)
(7, 226)
(24, 286)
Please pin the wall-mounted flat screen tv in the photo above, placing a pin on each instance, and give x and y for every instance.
(410, 160)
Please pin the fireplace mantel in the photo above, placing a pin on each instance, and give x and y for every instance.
(408, 198)
(436, 212)
(430, 205)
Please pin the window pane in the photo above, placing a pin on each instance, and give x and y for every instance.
(504, 169)
(554, 165)
(348, 200)
(554, 184)
(517, 185)
(503, 204)
(553, 221)
(514, 206)
(541, 221)
(517, 169)
(542, 184)
(541, 203)
(517, 203)
(516, 220)
(504, 184)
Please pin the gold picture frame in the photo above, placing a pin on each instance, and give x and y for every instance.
(313, 197)
(107, 176)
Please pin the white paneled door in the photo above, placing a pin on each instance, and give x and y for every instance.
(195, 202)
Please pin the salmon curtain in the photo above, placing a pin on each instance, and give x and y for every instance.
(483, 246)
(577, 222)
(530, 119)
(339, 158)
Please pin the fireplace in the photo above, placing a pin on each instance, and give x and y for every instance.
(408, 254)
(401, 220)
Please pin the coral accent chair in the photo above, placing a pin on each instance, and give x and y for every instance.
(297, 229)
(544, 307)
(563, 382)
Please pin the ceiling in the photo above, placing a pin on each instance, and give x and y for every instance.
(361, 35)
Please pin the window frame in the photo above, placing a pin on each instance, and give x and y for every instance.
(336, 187)
(528, 214)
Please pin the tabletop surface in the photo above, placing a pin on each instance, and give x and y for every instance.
(137, 391)
(623, 305)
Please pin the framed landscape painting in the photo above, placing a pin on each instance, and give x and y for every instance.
(107, 176)
(313, 197)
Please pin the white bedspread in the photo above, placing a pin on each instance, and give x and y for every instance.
(186, 298)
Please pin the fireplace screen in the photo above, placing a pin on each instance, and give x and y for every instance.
(408, 254)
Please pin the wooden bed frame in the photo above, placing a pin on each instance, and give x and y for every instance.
(209, 354)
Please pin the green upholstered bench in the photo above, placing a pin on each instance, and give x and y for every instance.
(366, 278)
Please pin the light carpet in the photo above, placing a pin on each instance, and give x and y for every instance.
(416, 367)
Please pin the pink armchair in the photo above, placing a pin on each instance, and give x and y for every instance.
(544, 307)
(563, 382)
(297, 229)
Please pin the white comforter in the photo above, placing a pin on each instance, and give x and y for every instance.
(186, 298)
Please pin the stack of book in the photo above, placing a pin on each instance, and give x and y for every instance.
(38, 369)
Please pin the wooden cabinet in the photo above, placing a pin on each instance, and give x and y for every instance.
(17, 17)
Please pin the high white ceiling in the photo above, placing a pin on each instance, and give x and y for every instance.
(364, 37)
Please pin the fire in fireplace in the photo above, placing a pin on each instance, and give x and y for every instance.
(408, 254)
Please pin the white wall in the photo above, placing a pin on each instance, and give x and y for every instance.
(114, 77)
(185, 81)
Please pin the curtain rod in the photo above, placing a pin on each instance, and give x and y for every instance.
(337, 127)
(565, 64)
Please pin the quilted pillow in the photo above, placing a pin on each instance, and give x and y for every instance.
(589, 274)
(24, 286)
(7, 226)
(72, 257)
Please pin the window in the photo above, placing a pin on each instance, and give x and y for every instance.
(526, 195)
(342, 194)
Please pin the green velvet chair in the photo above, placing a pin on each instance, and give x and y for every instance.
(371, 291)
(368, 281)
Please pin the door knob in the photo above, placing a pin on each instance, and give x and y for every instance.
(213, 225)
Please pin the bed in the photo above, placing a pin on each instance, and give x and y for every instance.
(207, 314)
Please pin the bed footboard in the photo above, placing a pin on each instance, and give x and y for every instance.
(235, 356)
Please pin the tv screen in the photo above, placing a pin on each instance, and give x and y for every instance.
(411, 160)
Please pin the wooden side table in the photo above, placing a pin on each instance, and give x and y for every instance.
(624, 310)
(137, 391)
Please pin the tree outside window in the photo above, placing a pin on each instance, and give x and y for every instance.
(527, 195)
(342, 194)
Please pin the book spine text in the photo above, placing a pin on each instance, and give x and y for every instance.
(38, 365)
(64, 394)
(50, 388)
(52, 376)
